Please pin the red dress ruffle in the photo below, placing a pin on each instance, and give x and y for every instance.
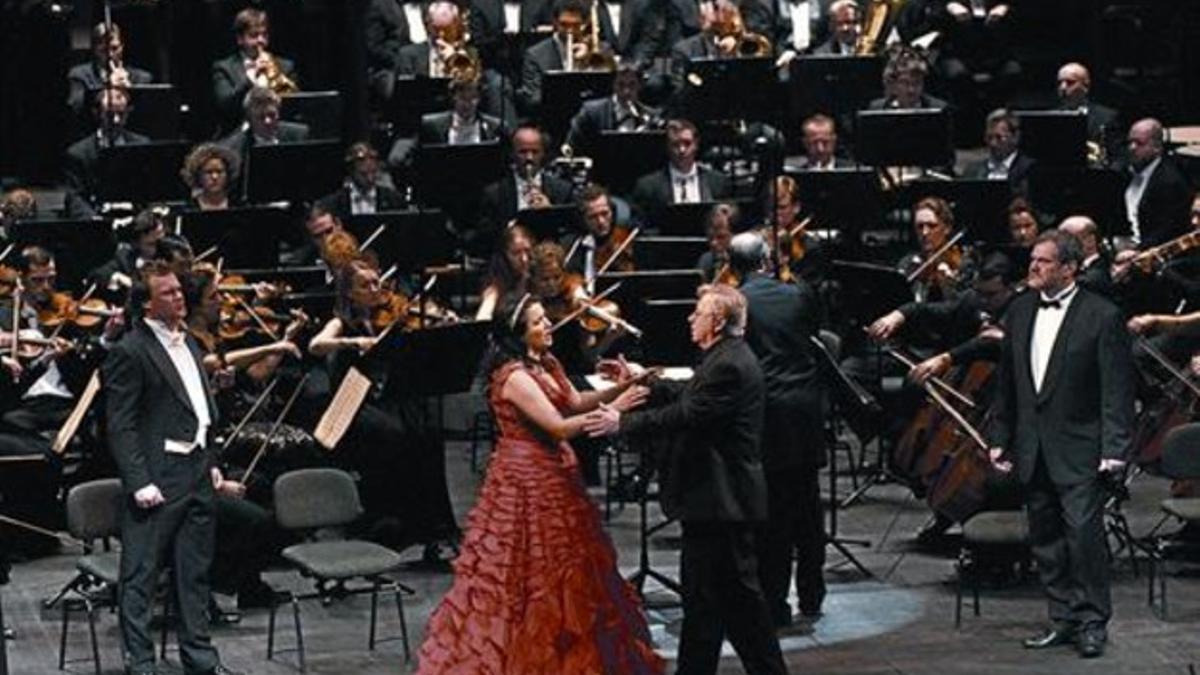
(536, 588)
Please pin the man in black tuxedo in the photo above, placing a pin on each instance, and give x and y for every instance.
(81, 167)
(386, 34)
(782, 323)
(1002, 135)
(1103, 123)
(527, 186)
(844, 28)
(1094, 272)
(714, 484)
(234, 75)
(820, 146)
(683, 180)
(107, 68)
(362, 193)
(686, 18)
(904, 83)
(1158, 197)
(159, 411)
(1064, 416)
(262, 127)
(621, 111)
(463, 123)
(550, 54)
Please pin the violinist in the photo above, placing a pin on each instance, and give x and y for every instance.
(950, 266)
(719, 225)
(798, 251)
(320, 222)
(402, 465)
(595, 250)
(207, 171)
(560, 293)
(508, 270)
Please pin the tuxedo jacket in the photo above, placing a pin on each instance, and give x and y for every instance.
(289, 132)
(85, 79)
(831, 47)
(81, 171)
(594, 117)
(1165, 208)
(435, 127)
(714, 470)
(386, 199)
(653, 192)
(683, 18)
(539, 59)
(499, 202)
(230, 84)
(1018, 172)
(146, 405)
(386, 33)
(1084, 410)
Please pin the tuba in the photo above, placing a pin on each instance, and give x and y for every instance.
(463, 63)
(879, 18)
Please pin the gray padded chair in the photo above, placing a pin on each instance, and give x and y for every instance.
(308, 500)
(93, 514)
(1180, 461)
(988, 534)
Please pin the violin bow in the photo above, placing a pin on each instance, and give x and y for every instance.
(575, 313)
(620, 249)
(916, 274)
(1171, 368)
(257, 319)
(939, 382)
(287, 408)
(258, 403)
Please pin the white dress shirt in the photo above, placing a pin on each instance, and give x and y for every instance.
(463, 132)
(1000, 170)
(175, 343)
(685, 187)
(1134, 193)
(524, 187)
(1045, 331)
(362, 202)
(512, 17)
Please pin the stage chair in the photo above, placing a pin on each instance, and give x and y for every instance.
(93, 514)
(1180, 461)
(988, 533)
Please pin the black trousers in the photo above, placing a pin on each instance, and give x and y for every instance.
(795, 531)
(721, 596)
(1066, 532)
(182, 531)
(247, 540)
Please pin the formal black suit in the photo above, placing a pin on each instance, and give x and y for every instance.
(926, 101)
(230, 85)
(85, 79)
(654, 192)
(782, 320)
(1097, 277)
(386, 199)
(714, 484)
(498, 205)
(832, 47)
(435, 127)
(1056, 436)
(81, 169)
(1018, 172)
(643, 33)
(696, 46)
(596, 116)
(539, 59)
(1165, 208)
(683, 18)
(386, 33)
(147, 405)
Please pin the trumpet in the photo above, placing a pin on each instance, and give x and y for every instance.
(594, 56)
(277, 80)
(880, 15)
(746, 44)
(463, 62)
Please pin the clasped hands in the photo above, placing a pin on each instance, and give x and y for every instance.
(605, 420)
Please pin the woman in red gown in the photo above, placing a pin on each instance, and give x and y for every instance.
(536, 588)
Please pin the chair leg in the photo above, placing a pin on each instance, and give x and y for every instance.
(403, 623)
(299, 632)
(374, 613)
(271, 628)
(91, 617)
(62, 643)
(958, 593)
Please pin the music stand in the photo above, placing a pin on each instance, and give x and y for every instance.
(550, 222)
(445, 174)
(563, 93)
(414, 96)
(1068, 191)
(410, 240)
(1054, 137)
(244, 237)
(155, 111)
(142, 172)
(835, 85)
(849, 200)
(293, 172)
(621, 156)
(979, 205)
(904, 137)
(729, 88)
(79, 246)
(652, 252)
(320, 110)
(433, 361)
(657, 301)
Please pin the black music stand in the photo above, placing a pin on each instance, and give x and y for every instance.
(904, 137)
(658, 302)
(849, 200)
(1067, 191)
(79, 246)
(413, 96)
(1054, 137)
(729, 88)
(142, 172)
(433, 361)
(981, 205)
(550, 222)
(320, 110)
(837, 86)
(155, 111)
(652, 252)
(244, 237)
(293, 172)
(445, 175)
(621, 156)
(563, 93)
(409, 240)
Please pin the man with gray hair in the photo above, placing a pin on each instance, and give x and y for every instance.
(714, 484)
(1062, 420)
(782, 322)
(1157, 198)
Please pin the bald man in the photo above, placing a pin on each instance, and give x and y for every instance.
(1093, 271)
(1158, 197)
(1074, 89)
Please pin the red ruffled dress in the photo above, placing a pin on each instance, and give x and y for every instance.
(536, 588)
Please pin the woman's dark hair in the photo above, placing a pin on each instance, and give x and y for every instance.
(195, 284)
(508, 331)
(499, 272)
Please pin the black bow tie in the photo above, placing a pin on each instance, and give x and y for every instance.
(1050, 304)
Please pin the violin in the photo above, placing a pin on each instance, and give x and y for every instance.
(941, 268)
(62, 309)
(396, 307)
(246, 321)
(1156, 256)
(616, 253)
(236, 283)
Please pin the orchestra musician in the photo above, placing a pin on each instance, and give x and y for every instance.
(508, 270)
(385, 33)
(719, 224)
(844, 28)
(107, 68)
(683, 180)
(136, 246)
(820, 146)
(1158, 195)
(1023, 225)
(81, 165)
(688, 18)
(561, 293)
(250, 66)
(593, 250)
(262, 125)
(1093, 271)
(798, 252)
(527, 186)
(551, 54)
(207, 171)
(1074, 84)
(1061, 423)
(430, 58)
(363, 190)
(463, 123)
(933, 223)
(621, 111)
(1002, 135)
(904, 82)
(320, 224)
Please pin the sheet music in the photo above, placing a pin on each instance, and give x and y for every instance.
(67, 432)
(341, 411)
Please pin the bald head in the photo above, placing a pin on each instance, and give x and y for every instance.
(748, 252)
(1145, 142)
(1074, 83)
(1084, 229)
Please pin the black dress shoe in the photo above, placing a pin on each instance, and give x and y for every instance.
(221, 617)
(1091, 644)
(1051, 637)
